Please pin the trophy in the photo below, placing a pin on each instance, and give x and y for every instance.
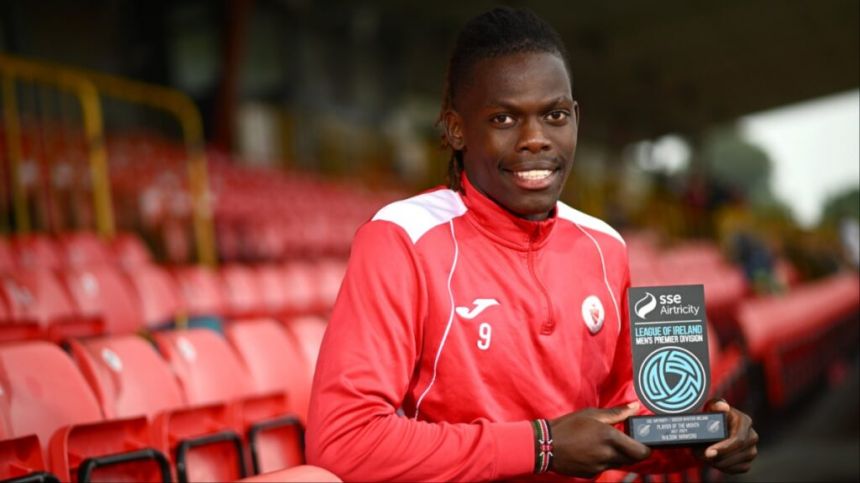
(671, 369)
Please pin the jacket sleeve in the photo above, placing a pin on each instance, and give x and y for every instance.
(619, 390)
(365, 366)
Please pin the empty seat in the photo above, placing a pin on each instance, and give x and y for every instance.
(241, 291)
(273, 289)
(39, 305)
(83, 249)
(158, 294)
(329, 278)
(36, 251)
(47, 396)
(209, 371)
(275, 360)
(129, 251)
(309, 332)
(102, 291)
(128, 376)
(302, 287)
(201, 291)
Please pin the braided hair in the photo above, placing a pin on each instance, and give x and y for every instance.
(498, 32)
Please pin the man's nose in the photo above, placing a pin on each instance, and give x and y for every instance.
(532, 138)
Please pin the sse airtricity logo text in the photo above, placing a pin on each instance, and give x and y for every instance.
(645, 305)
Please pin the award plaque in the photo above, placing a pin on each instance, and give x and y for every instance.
(671, 369)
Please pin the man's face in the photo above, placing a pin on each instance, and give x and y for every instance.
(516, 121)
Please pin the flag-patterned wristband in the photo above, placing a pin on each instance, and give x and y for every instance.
(543, 446)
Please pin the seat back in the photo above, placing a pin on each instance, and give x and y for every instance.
(243, 294)
(103, 291)
(83, 249)
(207, 368)
(43, 391)
(274, 359)
(158, 294)
(128, 376)
(36, 251)
(129, 251)
(201, 291)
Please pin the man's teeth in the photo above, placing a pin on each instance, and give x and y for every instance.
(533, 174)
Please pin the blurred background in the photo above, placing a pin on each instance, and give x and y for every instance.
(721, 138)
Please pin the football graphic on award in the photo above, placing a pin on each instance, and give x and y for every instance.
(671, 369)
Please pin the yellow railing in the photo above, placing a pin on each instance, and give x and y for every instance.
(89, 86)
(14, 70)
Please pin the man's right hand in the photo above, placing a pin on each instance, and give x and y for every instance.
(585, 442)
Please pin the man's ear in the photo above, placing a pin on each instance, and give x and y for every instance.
(454, 130)
(576, 113)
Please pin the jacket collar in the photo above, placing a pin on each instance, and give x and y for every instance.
(502, 226)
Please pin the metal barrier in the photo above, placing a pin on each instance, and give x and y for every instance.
(90, 87)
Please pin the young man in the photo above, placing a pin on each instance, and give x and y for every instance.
(491, 315)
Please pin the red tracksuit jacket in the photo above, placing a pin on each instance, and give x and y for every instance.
(473, 322)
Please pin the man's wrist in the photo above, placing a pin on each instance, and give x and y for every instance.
(543, 446)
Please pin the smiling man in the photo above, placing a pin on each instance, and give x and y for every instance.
(481, 330)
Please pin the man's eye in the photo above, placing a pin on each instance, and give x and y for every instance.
(558, 116)
(502, 120)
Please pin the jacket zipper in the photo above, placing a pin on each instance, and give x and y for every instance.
(547, 326)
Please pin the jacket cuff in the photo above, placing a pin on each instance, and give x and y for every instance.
(515, 449)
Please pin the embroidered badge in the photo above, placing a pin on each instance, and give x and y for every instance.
(593, 313)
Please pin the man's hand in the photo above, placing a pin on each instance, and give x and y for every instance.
(585, 442)
(735, 453)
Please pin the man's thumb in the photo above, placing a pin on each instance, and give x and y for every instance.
(617, 414)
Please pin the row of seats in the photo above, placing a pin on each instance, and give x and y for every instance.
(206, 407)
(796, 336)
(96, 295)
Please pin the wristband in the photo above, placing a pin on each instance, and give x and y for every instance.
(543, 446)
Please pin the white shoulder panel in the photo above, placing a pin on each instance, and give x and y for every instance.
(417, 215)
(587, 221)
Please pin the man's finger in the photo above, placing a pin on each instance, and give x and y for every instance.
(617, 414)
(739, 432)
(629, 447)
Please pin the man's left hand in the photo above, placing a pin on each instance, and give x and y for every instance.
(736, 453)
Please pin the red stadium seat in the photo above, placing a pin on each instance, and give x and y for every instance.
(242, 291)
(273, 289)
(128, 376)
(274, 359)
(158, 294)
(302, 287)
(45, 395)
(102, 291)
(210, 372)
(129, 251)
(83, 249)
(201, 291)
(36, 251)
(330, 277)
(39, 305)
(309, 331)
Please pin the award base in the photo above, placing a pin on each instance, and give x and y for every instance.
(678, 429)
